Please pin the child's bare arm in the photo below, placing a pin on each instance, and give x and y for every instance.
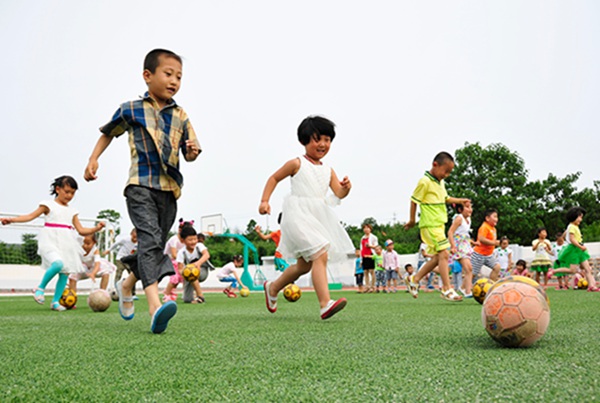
(205, 256)
(260, 234)
(27, 217)
(413, 214)
(92, 166)
(83, 231)
(483, 240)
(457, 200)
(288, 169)
(340, 188)
(455, 224)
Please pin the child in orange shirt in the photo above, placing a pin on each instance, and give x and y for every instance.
(483, 254)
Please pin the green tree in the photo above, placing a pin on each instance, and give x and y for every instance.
(29, 248)
(114, 218)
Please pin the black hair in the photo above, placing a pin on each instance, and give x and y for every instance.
(490, 211)
(61, 182)
(187, 230)
(540, 229)
(504, 238)
(183, 223)
(152, 59)
(237, 258)
(201, 237)
(459, 208)
(315, 127)
(442, 157)
(558, 235)
(575, 212)
(521, 262)
(407, 265)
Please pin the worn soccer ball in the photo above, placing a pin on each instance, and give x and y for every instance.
(481, 289)
(292, 292)
(114, 295)
(99, 300)
(522, 279)
(582, 284)
(244, 292)
(190, 272)
(68, 298)
(515, 314)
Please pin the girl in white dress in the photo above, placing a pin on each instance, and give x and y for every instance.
(310, 231)
(60, 251)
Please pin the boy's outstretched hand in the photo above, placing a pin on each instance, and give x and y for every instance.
(90, 170)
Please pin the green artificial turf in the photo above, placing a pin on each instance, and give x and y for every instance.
(382, 347)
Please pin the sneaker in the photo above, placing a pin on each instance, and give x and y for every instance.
(38, 295)
(332, 308)
(57, 307)
(271, 301)
(162, 316)
(411, 286)
(468, 295)
(451, 295)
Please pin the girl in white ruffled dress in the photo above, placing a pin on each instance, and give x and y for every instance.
(310, 231)
(60, 251)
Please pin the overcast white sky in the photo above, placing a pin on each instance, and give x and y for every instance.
(401, 79)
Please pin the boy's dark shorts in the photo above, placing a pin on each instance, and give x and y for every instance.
(359, 278)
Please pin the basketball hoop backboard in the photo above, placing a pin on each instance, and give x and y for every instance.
(212, 224)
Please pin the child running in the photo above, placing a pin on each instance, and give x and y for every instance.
(311, 233)
(275, 236)
(542, 262)
(93, 264)
(483, 252)
(461, 250)
(575, 254)
(158, 129)
(60, 251)
(430, 194)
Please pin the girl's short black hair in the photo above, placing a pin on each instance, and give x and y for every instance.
(187, 230)
(521, 262)
(575, 212)
(315, 127)
(61, 182)
(540, 229)
(459, 208)
(152, 59)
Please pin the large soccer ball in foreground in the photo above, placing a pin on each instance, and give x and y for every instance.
(481, 288)
(292, 292)
(515, 314)
(68, 298)
(190, 272)
(99, 300)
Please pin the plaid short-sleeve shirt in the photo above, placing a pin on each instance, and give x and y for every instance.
(155, 138)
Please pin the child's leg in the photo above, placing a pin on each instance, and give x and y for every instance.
(545, 275)
(61, 283)
(444, 269)
(589, 276)
(319, 278)
(537, 276)
(127, 287)
(290, 275)
(467, 275)
(196, 285)
(495, 274)
(73, 284)
(426, 268)
(52, 271)
(169, 289)
(104, 281)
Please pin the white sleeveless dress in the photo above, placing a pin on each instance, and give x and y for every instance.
(309, 226)
(57, 240)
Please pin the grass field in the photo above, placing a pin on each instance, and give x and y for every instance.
(380, 348)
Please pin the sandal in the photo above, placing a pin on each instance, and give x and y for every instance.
(594, 289)
(57, 307)
(198, 300)
(126, 313)
(451, 295)
(271, 302)
(38, 295)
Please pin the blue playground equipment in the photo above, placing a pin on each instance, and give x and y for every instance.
(256, 283)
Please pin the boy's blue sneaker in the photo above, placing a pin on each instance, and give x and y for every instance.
(162, 316)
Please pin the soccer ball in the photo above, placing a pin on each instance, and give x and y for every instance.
(99, 300)
(481, 288)
(515, 314)
(114, 295)
(522, 279)
(582, 284)
(292, 292)
(244, 292)
(68, 299)
(190, 272)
